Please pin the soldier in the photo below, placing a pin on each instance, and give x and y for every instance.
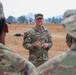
(10, 62)
(70, 40)
(65, 63)
(38, 41)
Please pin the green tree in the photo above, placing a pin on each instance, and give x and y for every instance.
(21, 19)
(11, 19)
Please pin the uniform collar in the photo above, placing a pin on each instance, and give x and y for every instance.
(43, 29)
(2, 46)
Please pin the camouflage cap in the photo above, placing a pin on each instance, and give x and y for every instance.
(69, 22)
(2, 18)
(39, 15)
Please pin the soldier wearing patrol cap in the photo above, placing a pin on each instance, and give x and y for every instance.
(65, 63)
(38, 41)
(38, 16)
(10, 62)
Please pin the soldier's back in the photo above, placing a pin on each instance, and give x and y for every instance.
(13, 64)
(63, 64)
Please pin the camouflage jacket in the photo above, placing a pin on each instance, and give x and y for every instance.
(32, 36)
(63, 64)
(13, 64)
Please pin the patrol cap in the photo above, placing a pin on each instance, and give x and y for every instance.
(69, 22)
(39, 15)
(2, 18)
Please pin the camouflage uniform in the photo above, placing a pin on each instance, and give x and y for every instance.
(13, 64)
(37, 55)
(70, 39)
(63, 64)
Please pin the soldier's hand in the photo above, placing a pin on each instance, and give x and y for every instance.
(45, 45)
(37, 44)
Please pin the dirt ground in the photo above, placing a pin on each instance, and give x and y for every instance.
(15, 43)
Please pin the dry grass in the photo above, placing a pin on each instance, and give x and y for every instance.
(15, 43)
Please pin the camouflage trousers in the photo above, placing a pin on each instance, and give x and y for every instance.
(38, 63)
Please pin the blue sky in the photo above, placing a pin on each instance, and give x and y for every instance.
(47, 7)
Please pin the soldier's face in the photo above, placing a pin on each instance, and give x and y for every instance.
(3, 34)
(39, 21)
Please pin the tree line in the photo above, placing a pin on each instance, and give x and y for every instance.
(25, 20)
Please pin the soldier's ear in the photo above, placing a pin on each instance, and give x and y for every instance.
(5, 29)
